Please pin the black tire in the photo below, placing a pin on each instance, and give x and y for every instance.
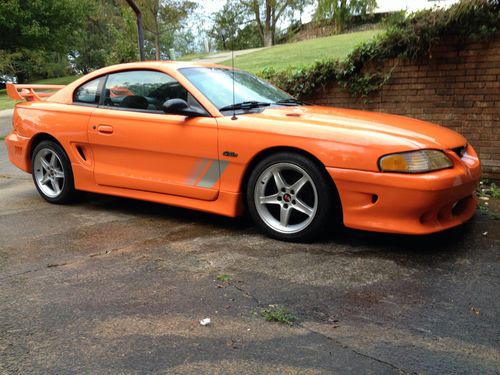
(66, 192)
(326, 210)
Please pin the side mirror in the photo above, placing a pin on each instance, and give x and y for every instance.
(180, 107)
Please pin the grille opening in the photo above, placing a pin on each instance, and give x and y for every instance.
(460, 151)
(80, 151)
(460, 206)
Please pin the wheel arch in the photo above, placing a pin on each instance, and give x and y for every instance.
(67, 190)
(273, 150)
(40, 137)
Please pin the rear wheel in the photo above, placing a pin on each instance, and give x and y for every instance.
(52, 174)
(289, 197)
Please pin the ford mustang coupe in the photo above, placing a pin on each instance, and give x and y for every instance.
(206, 137)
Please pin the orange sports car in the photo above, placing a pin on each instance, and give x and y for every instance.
(209, 138)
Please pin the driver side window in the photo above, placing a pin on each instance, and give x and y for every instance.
(143, 90)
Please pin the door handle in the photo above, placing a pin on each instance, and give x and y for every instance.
(105, 129)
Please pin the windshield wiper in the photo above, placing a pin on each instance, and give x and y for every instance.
(245, 105)
(290, 101)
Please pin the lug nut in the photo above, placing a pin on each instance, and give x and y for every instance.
(293, 202)
(279, 198)
(283, 190)
(285, 206)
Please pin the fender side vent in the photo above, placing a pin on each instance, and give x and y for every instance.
(80, 151)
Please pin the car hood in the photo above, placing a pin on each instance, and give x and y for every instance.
(363, 125)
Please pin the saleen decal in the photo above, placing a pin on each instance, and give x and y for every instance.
(230, 154)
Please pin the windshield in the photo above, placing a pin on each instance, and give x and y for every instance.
(217, 85)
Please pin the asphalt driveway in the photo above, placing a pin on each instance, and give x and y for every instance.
(112, 286)
(5, 122)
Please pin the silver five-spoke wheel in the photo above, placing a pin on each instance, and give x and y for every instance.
(49, 172)
(286, 198)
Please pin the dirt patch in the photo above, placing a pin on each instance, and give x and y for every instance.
(221, 327)
(241, 367)
(494, 206)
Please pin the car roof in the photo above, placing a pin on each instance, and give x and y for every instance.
(162, 64)
(65, 95)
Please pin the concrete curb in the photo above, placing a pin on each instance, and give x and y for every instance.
(220, 57)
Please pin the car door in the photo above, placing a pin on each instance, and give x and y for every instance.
(137, 146)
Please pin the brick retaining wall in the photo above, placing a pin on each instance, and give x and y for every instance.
(459, 87)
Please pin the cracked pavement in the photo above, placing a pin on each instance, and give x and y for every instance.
(117, 286)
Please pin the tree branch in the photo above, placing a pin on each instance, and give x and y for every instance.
(255, 6)
(280, 12)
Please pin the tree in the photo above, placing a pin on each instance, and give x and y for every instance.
(106, 37)
(341, 10)
(226, 23)
(267, 14)
(37, 34)
(234, 29)
(162, 18)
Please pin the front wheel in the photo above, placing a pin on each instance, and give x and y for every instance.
(289, 197)
(52, 174)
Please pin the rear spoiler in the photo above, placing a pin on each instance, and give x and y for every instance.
(21, 92)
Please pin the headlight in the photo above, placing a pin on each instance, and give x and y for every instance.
(415, 161)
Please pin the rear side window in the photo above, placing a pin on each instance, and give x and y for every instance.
(142, 90)
(88, 93)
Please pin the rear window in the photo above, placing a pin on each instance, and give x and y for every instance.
(88, 93)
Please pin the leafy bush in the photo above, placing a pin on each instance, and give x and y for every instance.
(409, 38)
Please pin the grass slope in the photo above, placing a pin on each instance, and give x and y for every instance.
(302, 53)
(7, 103)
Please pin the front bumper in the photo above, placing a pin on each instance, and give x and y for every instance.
(409, 203)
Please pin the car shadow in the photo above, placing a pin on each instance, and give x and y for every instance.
(161, 211)
(418, 250)
(421, 249)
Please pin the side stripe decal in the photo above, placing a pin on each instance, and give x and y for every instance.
(213, 174)
(211, 169)
(198, 169)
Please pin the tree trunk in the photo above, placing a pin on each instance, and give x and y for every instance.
(343, 13)
(157, 47)
(21, 77)
(268, 38)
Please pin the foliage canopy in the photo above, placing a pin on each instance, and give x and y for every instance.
(339, 11)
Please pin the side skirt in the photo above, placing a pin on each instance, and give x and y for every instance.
(227, 204)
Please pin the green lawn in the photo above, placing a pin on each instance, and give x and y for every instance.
(7, 103)
(302, 53)
(57, 81)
